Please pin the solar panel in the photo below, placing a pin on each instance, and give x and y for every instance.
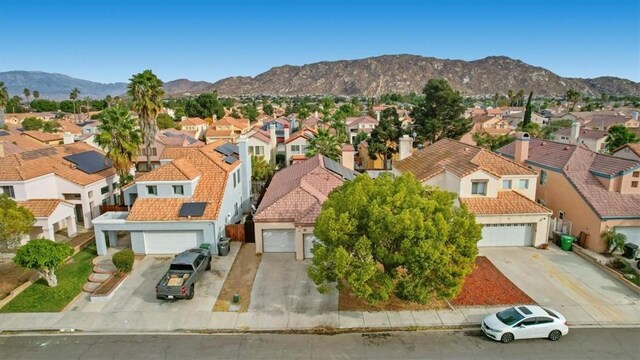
(4, 133)
(228, 149)
(89, 161)
(36, 154)
(338, 169)
(230, 159)
(192, 209)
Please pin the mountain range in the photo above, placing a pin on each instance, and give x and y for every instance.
(366, 77)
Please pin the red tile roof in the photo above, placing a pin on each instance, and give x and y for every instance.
(584, 133)
(42, 207)
(507, 202)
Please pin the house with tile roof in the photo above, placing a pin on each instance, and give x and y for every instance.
(297, 144)
(364, 124)
(12, 143)
(286, 216)
(228, 129)
(491, 124)
(263, 143)
(185, 202)
(195, 125)
(628, 151)
(44, 138)
(594, 140)
(500, 192)
(165, 138)
(588, 192)
(61, 185)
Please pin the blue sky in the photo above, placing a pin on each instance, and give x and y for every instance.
(108, 41)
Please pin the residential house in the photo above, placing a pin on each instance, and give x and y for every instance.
(90, 127)
(500, 192)
(70, 127)
(44, 138)
(491, 124)
(588, 192)
(11, 143)
(603, 120)
(355, 125)
(195, 125)
(628, 151)
(283, 131)
(165, 138)
(516, 118)
(367, 163)
(186, 202)
(62, 185)
(263, 143)
(286, 216)
(592, 139)
(228, 129)
(16, 118)
(296, 145)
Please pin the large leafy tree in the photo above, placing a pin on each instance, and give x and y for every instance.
(165, 121)
(15, 223)
(619, 135)
(396, 237)
(120, 138)
(492, 142)
(4, 101)
(439, 114)
(146, 93)
(51, 126)
(44, 256)
(32, 123)
(324, 143)
(384, 138)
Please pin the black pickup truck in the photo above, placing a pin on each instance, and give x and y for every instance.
(179, 282)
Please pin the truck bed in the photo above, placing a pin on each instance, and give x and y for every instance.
(175, 279)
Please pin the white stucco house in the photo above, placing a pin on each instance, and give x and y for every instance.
(296, 145)
(498, 191)
(263, 143)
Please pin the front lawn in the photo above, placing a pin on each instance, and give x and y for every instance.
(71, 277)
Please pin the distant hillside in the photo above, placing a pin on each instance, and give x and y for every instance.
(182, 86)
(57, 86)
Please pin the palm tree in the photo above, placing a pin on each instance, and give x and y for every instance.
(74, 96)
(120, 138)
(325, 144)
(613, 239)
(36, 94)
(109, 100)
(145, 91)
(4, 100)
(26, 93)
(618, 135)
(573, 97)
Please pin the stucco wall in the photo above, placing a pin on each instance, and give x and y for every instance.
(252, 141)
(302, 142)
(165, 188)
(625, 153)
(227, 211)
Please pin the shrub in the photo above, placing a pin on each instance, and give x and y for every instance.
(123, 260)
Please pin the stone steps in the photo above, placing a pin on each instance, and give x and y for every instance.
(98, 277)
(90, 287)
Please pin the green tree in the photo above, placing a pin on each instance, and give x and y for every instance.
(324, 143)
(109, 100)
(613, 239)
(250, 112)
(235, 114)
(15, 223)
(261, 170)
(619, 135)
(527, 111)
(26, 92)
(121, 139)
(4, 101)
(492, 142)
(210, 106)
(146, 93)
(339, 128)
(384, 138)
(51, 126)
(439, 114)
(268, 109)
(535, 130)
(166, 122)
(389, 236)
(36, 94)
(41, 105)
(573, 97)
(327, 103)
(44, 256)
(32, 123)
(73, 95)
(360, 137)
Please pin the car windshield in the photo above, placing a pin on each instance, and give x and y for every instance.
(551, 313)
(509, 316)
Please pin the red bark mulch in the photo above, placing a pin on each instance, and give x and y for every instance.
(487, 286)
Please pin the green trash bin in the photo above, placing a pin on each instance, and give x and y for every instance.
(566, 241)
(205, 246)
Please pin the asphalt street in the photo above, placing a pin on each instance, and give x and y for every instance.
(601, 344)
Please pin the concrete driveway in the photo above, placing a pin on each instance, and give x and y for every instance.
(561, 280)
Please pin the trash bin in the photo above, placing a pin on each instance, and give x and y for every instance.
(205, 246)
(223, 246)
(566, 241)
(630, 250)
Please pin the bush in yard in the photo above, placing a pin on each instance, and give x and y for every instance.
(396, 237)
(15, 223)
(123, 260)
(44, 256)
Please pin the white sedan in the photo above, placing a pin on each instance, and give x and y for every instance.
(525, 322)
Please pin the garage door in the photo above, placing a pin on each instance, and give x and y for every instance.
(279, 240)
(506, 235)
(632, 232)
(171, 242)
(309, 240)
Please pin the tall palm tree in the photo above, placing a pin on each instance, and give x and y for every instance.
(4, 100)
(324, 143)
(36, 94)
(73, 95)
(120, 138)
(146, 93)
(109, 100)
(26, 94)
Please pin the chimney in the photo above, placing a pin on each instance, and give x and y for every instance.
(273, 142)
(575, 132)
(245, 172)
(286, 134)
(378, 115)
(348, 153)
(68, 138)
(406, 147)
(634, 115)
(522, 147)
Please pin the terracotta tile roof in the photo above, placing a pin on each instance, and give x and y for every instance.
(16, 143)
(173, 137)
(70, 127)
(306, 133)
(212, 132)
(297, 192)
(365, 119)
(481, 119)
(193, 121)
(635, 148)
(210, 189)
(237, 123)
(584, 133)
(43, 136)
(176, 170)
(605, 121)
(311, 121)
(42, 207)
(458, 158)
(261, 135)
(49, 160)
(548, 153)
(507, 202)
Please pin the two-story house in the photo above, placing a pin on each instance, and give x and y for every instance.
(283, 131)
(594, 140)
(498, 191)
(628, 151)
(263, 143)
(355, 125)
(296, 145)
(588, 192)
(491, 124)
(228, 129)
(195, 125)
(165, 138)
(62, 185)
(185, 202)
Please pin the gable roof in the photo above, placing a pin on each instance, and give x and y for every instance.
(70, 127)
(635, 148)
(584, 133)
(237, 123)
(42, 207)
(364, 119)
(173, 137)
(43, 136)
(458, 158)
(16, 143)
(507, 202)
(306, 133)
(177, 170)
(193, 121)
(259, 134)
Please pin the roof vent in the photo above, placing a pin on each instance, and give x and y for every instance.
(543, 143)
(566, 148)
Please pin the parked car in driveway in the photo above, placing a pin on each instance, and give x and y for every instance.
(185, 270)
(525, 322)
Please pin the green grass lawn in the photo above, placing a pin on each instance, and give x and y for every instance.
(41, 298)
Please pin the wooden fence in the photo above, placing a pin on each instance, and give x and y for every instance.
(235, 232)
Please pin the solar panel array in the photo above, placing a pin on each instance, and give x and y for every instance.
(89, 161)
(339, 169)
(37, 154)
(230, 159)
(228, 149)
(192, 209)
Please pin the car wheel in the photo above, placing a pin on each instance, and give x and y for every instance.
(507, 338)
(638, 264)
(192, 291)
(555, 335)
(208, 265)
(159, 297)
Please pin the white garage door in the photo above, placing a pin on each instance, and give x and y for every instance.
(632, 232)
(309, 240)
(506, 235)
(279, 240)
(171, 242)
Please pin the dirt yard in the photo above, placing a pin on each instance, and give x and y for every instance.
(485, 286)
(12, 276)
(240, 279)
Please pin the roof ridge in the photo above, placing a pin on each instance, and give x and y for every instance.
(524, 197)
(180, 169)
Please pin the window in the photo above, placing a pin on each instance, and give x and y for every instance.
(90, 193)
(544, 320)
(543, 177)
(8, 190)
(238, 172)
(634, 184)
(636, 174)
(295, 149)
(235, 180)
(235, 209)
(479, 187)
(178, 190)
(529, 321)
(152, 190)
(523, 184)
(256, 150)
(506, 184)
(104, 190)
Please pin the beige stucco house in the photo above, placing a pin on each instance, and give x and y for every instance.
(594, 140)
(228, 129)
(628, 151)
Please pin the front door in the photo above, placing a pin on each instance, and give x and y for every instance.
(79, 214)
